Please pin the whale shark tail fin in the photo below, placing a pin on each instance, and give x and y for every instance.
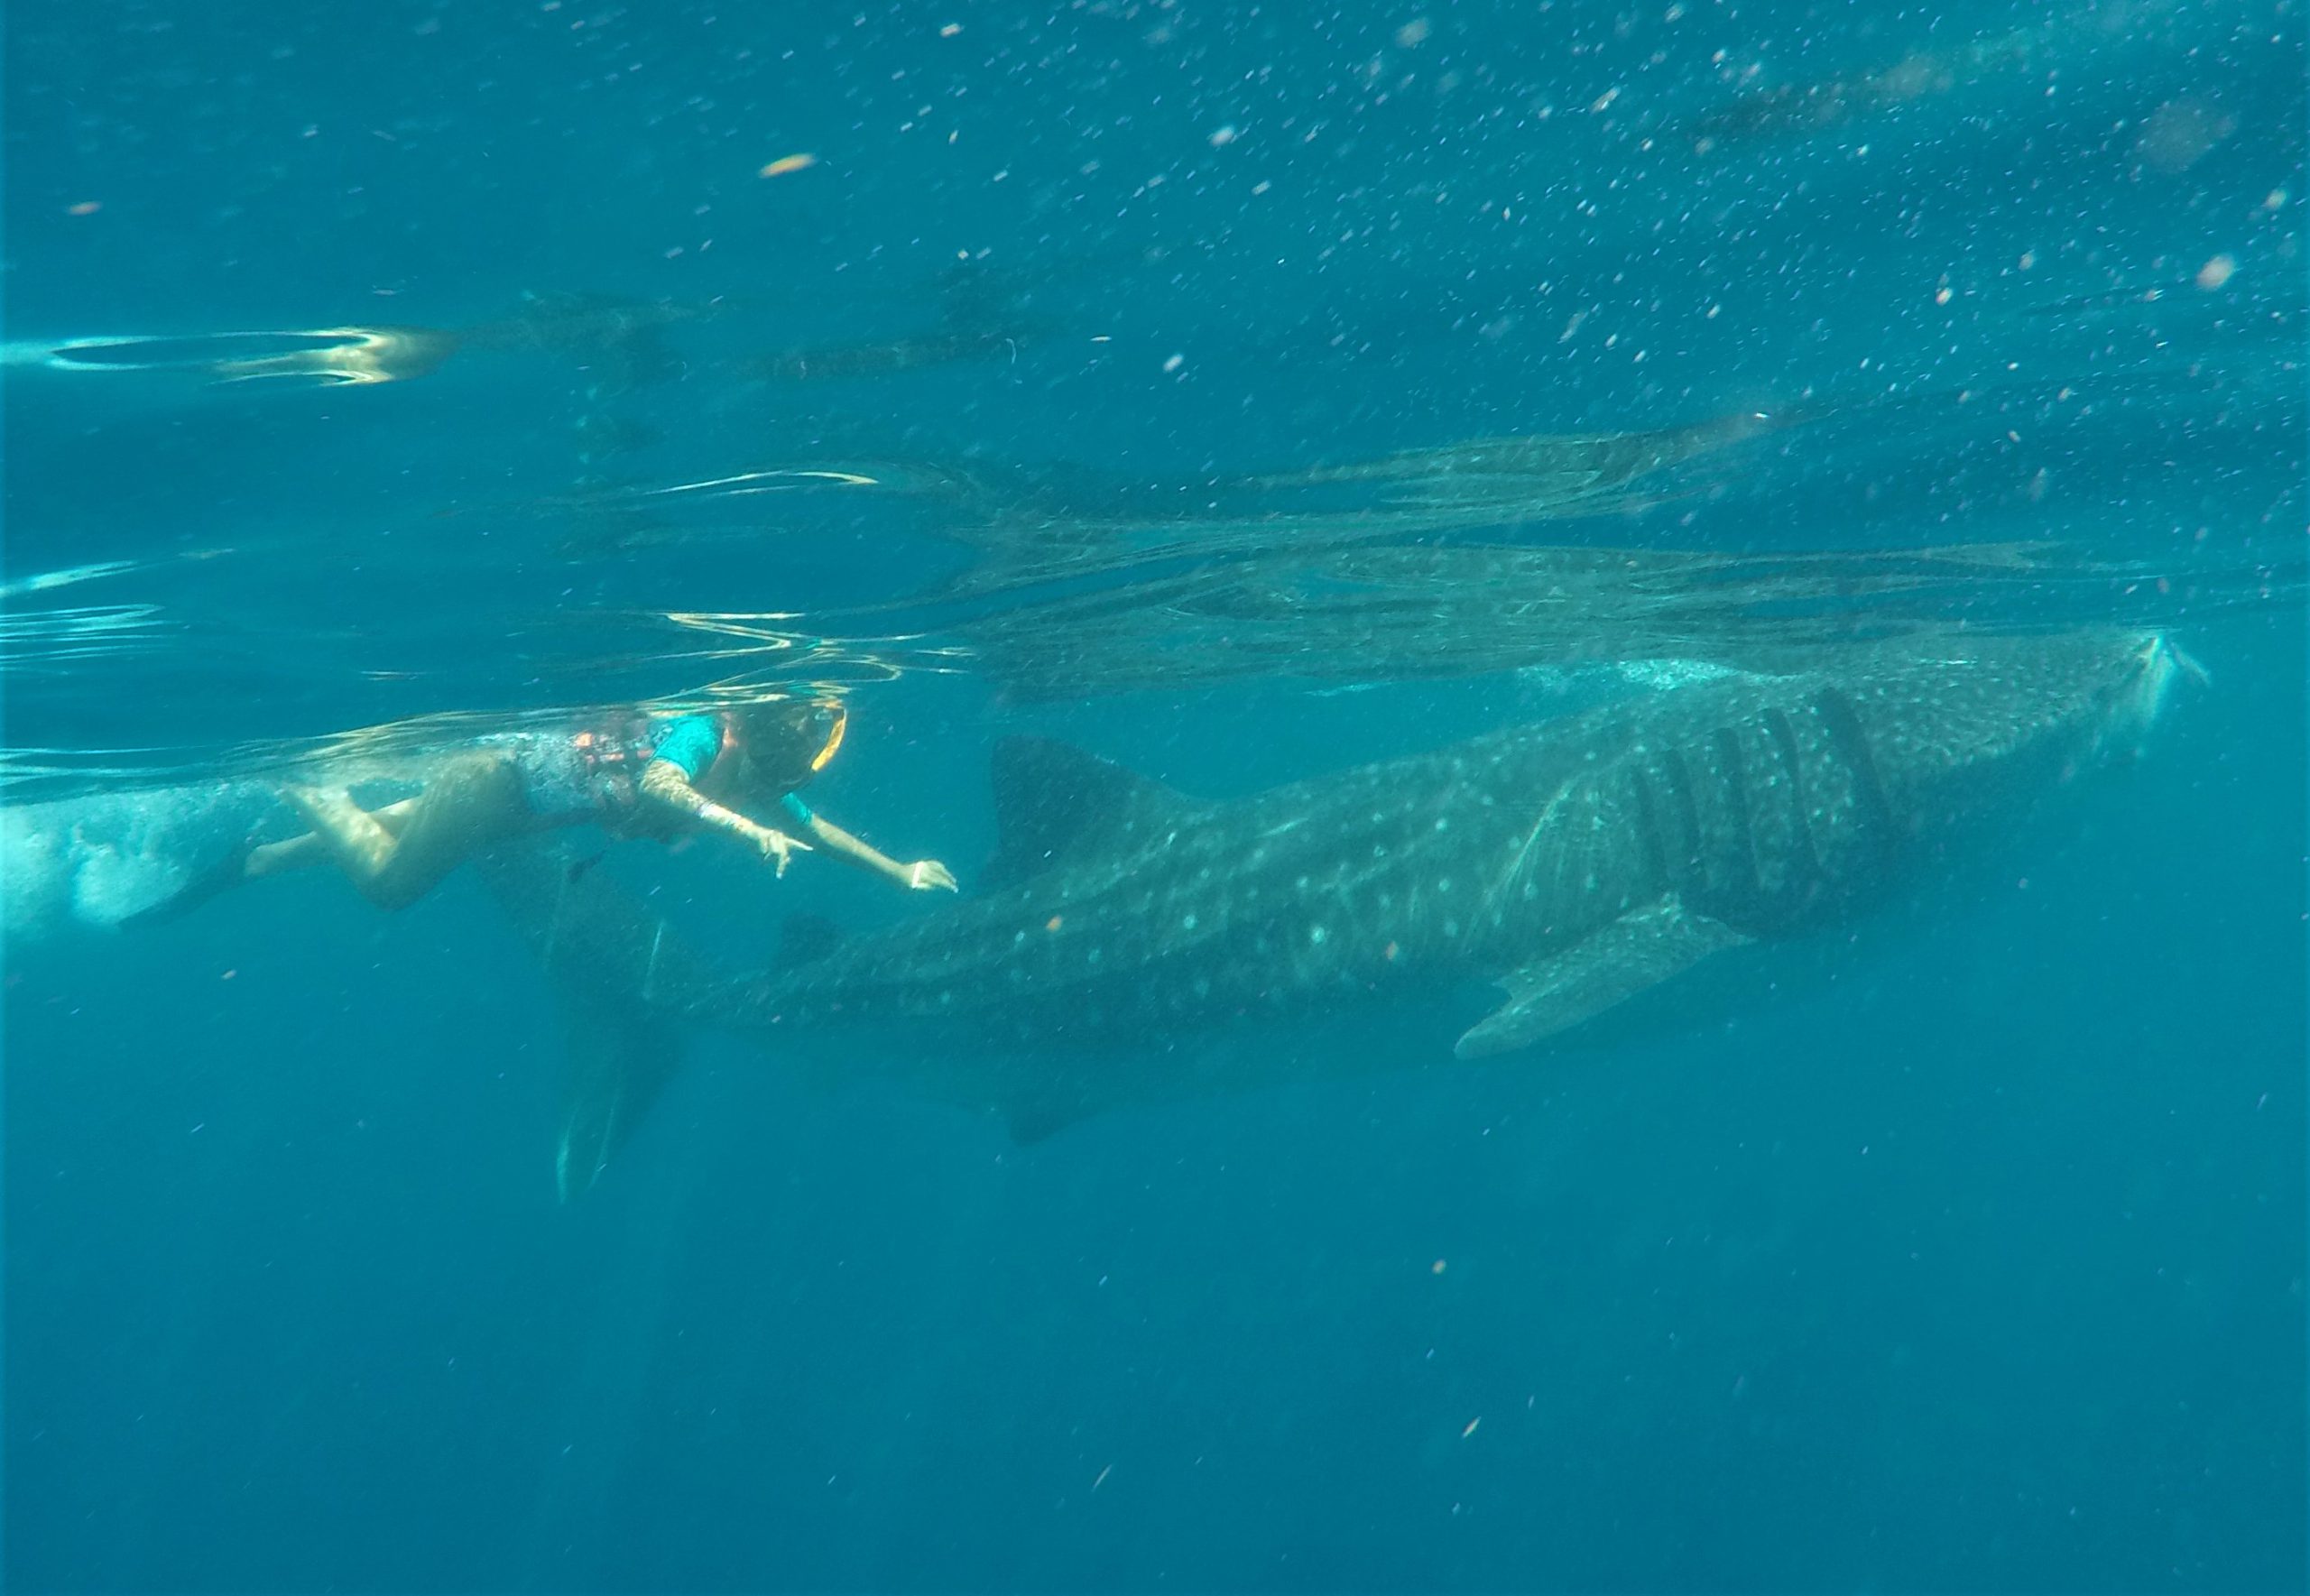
(625, 983)
(618, 1062)
(1053, 800)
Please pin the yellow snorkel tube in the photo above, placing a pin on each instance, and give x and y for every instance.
(834, 737)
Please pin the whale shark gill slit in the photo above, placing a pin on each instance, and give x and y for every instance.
(1869, 829)
(1744, 873)
(1644, 782)
(1804, 872)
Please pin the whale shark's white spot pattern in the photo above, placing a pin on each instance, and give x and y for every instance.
(1537, 881)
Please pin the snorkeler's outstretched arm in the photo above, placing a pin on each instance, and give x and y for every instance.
(924, 875)
(663, 782)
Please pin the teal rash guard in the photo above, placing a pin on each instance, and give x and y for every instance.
(692, 743)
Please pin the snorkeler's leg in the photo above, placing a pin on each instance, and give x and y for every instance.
(468, 803)
(473, 801)
(308, 849)
(350, 834)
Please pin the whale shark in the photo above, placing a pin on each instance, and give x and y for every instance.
(1577, 865)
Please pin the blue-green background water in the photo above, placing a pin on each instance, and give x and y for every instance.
(1979, 1266)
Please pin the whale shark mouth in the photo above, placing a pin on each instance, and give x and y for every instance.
(2160, 665)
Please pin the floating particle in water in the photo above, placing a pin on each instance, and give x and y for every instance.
(2217, 271)
(789, 163)
(2180, 133)
(86, 208)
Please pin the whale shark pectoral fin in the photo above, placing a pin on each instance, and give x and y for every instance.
(1038, 1118)
(1641, 949)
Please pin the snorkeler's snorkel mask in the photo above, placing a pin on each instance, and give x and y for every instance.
(817, 725)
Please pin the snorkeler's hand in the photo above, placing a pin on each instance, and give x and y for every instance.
(928, 875)
(776, 845)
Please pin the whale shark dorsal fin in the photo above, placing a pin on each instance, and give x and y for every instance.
(1635, 952)
(1053, 799)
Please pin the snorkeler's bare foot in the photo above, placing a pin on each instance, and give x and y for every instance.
(296, 852)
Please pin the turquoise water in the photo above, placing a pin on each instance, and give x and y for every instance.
(1136, 374)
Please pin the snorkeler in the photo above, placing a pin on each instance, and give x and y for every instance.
(654, 775)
